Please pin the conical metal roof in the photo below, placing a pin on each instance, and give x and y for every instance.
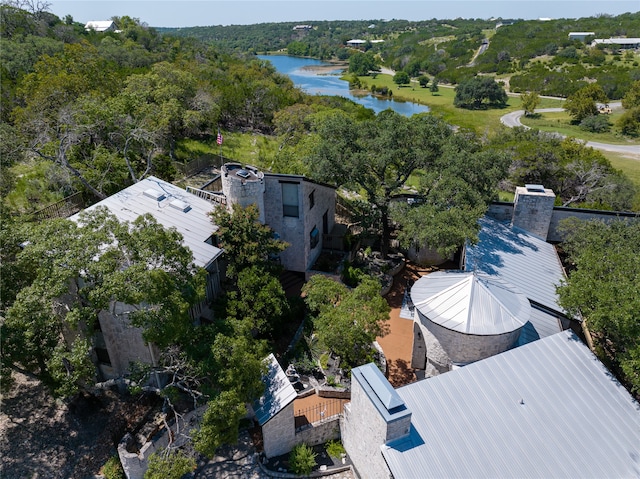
(470, 302)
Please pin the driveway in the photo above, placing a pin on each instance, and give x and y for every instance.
(512, 120)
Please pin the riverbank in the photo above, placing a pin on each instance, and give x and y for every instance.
(331, 67)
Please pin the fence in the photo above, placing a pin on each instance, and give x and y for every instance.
(192, 167)
(319, 413)
(208, 195)
(62, 209)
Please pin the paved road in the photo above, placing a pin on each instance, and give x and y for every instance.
(633, 151)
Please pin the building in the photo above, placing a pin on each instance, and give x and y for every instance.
(300, 211)
(545, 410)
(117, 342)
(618, 43)
(101, 26)
(581, 36)
(356, 43)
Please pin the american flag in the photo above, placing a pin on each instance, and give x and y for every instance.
(219, 139)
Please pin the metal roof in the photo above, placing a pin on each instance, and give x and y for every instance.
(547, 409)
(278, 392)
(385, 399)
(519, 258)
(172, 207)
(470, 302)
(541, 324)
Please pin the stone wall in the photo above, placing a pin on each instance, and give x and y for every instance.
(532, 210)
(464, 348)
(124, 342)
(299, 256)
(279, 432)
(319, 432)
(364, 431)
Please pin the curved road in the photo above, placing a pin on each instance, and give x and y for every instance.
(512, 120)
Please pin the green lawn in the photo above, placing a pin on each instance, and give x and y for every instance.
(249, 148)
(560, 122)
(441, 103)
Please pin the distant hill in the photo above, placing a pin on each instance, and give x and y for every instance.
(532, 55)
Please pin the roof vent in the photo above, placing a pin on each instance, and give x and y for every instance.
(180, 205)
(154, 194)
(243, 173)
(535, 188)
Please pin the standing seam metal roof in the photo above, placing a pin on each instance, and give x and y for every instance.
(470, 303)
(547, 409)
(194, 224)
(518, 258)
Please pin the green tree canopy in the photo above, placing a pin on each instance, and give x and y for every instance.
(246, 242)
(375, 156)
(530, 101)
(363, 63)
(603, 288)
(401, 78)
(583, 102)
(478, 92)
(347, 321)
(76, 271)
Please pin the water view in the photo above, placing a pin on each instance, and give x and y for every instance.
(316, 82)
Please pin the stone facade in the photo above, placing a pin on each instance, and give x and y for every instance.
(365, 429)
(279, 432)
(316, 216)
(462, 348)
(243, 185)
(320, 432)
(123, 342)
(532, 209)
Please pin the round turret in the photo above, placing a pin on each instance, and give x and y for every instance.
(243, 185)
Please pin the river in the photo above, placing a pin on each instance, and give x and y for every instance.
(322, 82)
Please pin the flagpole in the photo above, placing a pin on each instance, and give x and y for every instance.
(219, 141)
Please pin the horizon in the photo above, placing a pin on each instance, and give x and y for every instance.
(202, 13)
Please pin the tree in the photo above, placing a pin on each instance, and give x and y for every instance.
(631, 99)
(629, 122)
(348, 321)
(452, 196)
(434, 86)
(245, 241)
(530, 101)
(423, 80)
(603, 288)
(583, 102)
(477, 91)
(401, 78)
(169, 465)
(376, 156)
(76, 271)
(362, 63)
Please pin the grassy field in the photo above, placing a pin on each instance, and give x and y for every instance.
(441, 103)
(249, 148)
(560, 122)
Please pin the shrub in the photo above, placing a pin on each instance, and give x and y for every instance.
(302, 459)
(595, 124)
(112, 469)
(335, 449)
(172, 466)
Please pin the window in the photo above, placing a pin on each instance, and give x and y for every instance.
(312, 199)
(290, 199)
(314, 237)
(103, 356)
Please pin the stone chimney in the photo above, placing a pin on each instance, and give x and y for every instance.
(533, 209)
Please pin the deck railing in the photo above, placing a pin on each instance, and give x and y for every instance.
(208, 195)
(319, 413)
(62, 209)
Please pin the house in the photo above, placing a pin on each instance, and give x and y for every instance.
(300, 211)
(581, 36)
(117, 342)
(618, 43)
(303, 27)
(547, 409)
(355, 43)
(101, 26)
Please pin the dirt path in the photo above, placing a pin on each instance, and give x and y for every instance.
(44, 438)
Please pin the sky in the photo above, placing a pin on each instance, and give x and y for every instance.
(191, 13)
